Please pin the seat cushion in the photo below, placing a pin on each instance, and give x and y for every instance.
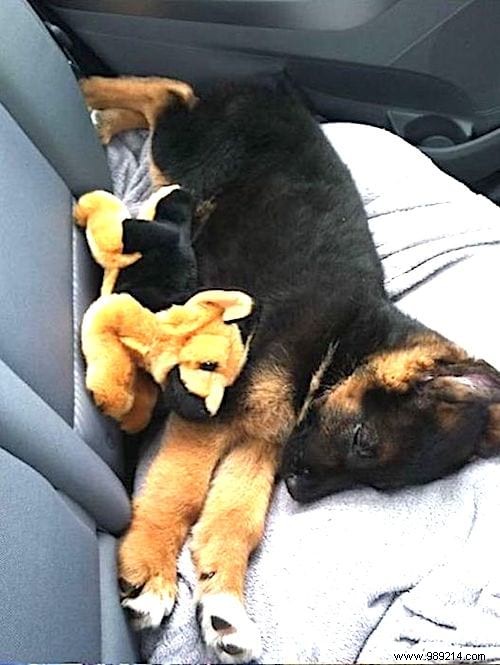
(60, 598)
(49, 565)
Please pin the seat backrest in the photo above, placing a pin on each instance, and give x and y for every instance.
(62, 503)
(47, 277)
(39, 90)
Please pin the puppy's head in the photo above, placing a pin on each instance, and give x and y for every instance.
(404, 417)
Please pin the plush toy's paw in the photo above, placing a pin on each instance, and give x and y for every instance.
(115, 329)
(114, 400)
(102, 214)
(227, 631)
(145, 396)
(98, 201)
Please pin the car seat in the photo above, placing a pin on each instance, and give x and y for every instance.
(62, 498)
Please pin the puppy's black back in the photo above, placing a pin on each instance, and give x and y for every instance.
(288, 225)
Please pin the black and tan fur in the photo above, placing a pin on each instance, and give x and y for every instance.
(358, 392)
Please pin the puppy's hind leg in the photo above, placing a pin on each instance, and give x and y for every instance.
(147, 96)
(109, 122)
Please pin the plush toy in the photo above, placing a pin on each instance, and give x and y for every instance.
(102, 215)
(131, 339)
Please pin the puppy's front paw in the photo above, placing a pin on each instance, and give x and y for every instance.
(227, 631)
(147, 605)
(147, 578)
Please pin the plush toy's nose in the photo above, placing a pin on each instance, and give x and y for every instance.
(178, 399)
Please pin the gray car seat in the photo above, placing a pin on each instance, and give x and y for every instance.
(62, 500)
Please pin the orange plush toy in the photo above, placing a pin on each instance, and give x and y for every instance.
(131, 350)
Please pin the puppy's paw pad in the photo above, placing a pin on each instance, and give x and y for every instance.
(226, 629)
(147, 608)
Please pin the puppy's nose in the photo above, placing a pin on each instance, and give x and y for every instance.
(293, 486)
(293, 457)
(306, 487)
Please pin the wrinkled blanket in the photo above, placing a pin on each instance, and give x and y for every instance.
(366, 576)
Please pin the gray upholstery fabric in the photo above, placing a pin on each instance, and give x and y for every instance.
(47, 280)
(31, 431)
(49, 572)
(58, 590)
(101, 433)
(39, 90)
(119, 642)
(35, 270)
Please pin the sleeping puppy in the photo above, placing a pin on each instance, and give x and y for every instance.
(351, 390)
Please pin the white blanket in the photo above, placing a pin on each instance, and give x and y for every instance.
(366, 576)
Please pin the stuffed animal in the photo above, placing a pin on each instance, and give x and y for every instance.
(132, 339)
(105, 218)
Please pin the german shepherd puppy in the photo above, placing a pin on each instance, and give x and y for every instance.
(339, 384)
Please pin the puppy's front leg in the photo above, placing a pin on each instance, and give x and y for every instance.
(229, 529)
(172, 498)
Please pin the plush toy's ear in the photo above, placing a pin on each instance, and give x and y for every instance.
(176, 208)
(235, 304)
(148, 208)
(182, 320)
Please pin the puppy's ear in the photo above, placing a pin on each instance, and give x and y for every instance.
(475, 384)
(400, 370)
(466, 382)
(490, 445)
